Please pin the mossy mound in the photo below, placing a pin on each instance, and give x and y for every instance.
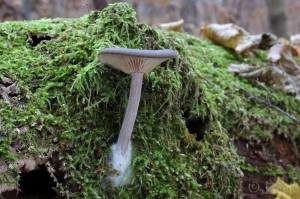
(71, 105)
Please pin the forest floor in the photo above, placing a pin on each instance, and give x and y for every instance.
(197, 134)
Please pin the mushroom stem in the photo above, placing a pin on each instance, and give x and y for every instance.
(131, 111)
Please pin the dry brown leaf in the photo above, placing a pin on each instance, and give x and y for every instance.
(176, 26)
(295, 42)
(286, 42)
(282, 55)
(270, 75)
(235, 37)
(274, 53)
(283, 75)
(227, 35)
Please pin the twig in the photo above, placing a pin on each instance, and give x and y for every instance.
(268, 103)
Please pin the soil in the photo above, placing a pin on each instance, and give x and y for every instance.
(279, 151)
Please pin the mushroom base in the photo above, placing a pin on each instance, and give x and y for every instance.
(120, 163)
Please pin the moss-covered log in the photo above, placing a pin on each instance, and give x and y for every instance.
(65, 110)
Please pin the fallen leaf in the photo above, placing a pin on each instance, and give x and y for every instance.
(235, 37)
(272, 75)
(275, 52)
(295, 43)
(227, 35)
(286, 42)
(284, 190)
(282, 54)
(176, 26)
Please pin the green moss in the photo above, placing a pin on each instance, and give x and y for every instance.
(73, 104)
(230, 94)
(274, 171)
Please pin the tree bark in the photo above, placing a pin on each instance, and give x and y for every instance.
(189, 11)
(277, 17)
(27, 9)
(100, 4)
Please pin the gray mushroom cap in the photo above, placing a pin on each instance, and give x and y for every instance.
(134, 60)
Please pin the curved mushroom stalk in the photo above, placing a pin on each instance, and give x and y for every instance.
(131, 112)
(134, 62)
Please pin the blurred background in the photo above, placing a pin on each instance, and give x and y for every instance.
(256, 16)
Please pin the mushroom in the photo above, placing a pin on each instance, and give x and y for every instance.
(135, 62)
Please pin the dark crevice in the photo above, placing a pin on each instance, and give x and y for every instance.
(197, 126)
(37, 183)
(34, 40)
